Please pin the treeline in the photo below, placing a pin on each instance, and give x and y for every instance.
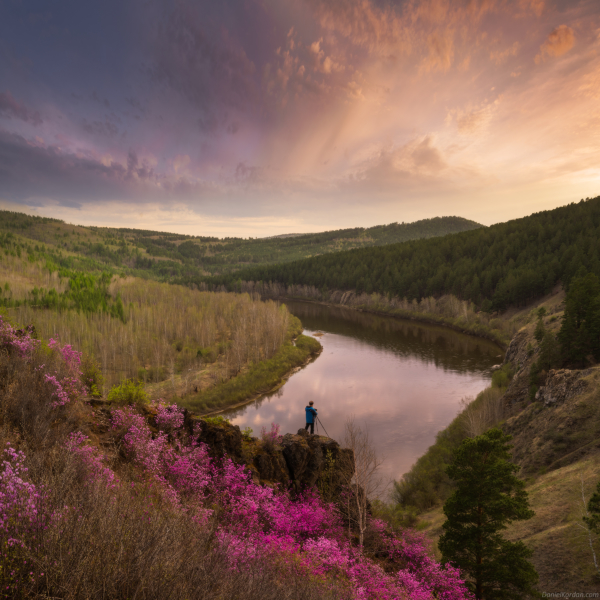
(495, 267)
(446, 310)
(184, 258)
(230, 254)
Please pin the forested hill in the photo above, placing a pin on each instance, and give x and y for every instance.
(496, 267)
(169, 256)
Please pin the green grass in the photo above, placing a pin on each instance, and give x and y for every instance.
(259, 379)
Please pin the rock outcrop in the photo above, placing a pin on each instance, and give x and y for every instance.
(300, 461)
(561, 385)
(311, 458)
(560, 424)
(221, 439)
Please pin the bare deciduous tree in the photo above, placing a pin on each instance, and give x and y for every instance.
(366, 481)
(483, 413)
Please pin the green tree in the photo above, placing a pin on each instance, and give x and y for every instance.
(581, 319)
(488, 497)
(593, 507)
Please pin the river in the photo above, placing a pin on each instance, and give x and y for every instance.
(402, 381)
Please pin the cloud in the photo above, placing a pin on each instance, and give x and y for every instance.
(11, 108)
(304, 71)
(441, 51)
(201, 62)
(501, 56)
(418, 161)
(559, 42)
(378, 28)
(104, 128)
(31, 169)
(535, 6)
(473, 119)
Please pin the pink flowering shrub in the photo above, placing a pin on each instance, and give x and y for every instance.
(95, 470)
(168, 417)
(21, 341)
(22, 519)
(252, 528)
(70, 386)
(303, 533)
(19, 500)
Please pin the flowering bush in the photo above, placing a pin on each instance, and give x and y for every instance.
(21, 341)
(168, 417)
(301, 533)
(69, 387)
(19, 500)
(298, 539)
(22, 518)
(90, 459)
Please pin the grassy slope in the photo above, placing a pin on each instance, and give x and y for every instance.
(174, 338)
(562, 554)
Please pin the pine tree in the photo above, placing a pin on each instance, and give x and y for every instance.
(488, 497)
(593, 520)
(581, 319)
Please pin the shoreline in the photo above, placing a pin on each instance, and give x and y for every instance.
(407, 317)
(429, 320)
(257, 396)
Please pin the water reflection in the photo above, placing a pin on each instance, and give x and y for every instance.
(402, 380)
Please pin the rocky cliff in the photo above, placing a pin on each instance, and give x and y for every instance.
(300, 461)
(561, 424)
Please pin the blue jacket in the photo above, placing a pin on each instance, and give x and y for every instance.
(311, 413)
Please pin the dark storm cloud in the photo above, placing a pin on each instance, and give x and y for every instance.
(30, 170)
(11, 108)
(100, 128)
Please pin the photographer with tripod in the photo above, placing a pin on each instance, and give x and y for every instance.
(311, 417)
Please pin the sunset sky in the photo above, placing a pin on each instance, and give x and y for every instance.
(262, 117)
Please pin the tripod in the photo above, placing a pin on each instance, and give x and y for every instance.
(325, 430)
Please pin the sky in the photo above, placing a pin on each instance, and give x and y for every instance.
(263, 117)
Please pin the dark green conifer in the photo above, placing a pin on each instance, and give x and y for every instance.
(581, 320)
(593, 507)
(488, 497)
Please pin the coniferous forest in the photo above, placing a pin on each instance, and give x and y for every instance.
(495, 267)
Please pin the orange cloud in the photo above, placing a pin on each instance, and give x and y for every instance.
(375, 28)
(473, 119)
(500, 56)
(441, 51)
(535, 6)
(559, 42)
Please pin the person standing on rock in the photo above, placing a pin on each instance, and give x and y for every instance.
(311, 415)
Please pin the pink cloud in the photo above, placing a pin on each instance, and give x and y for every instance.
(13, 109)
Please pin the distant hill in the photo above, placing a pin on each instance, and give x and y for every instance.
(495, 267)
(170, 256)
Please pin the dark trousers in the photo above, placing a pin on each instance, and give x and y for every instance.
(312, 427)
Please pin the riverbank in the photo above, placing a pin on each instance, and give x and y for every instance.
(259, 379)
(476, 329)
(555, 444)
